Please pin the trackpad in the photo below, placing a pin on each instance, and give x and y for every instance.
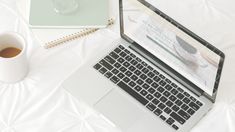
(119, 109)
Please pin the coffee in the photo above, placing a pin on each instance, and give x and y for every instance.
(9, 52)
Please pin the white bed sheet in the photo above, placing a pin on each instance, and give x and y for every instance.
(38, 104)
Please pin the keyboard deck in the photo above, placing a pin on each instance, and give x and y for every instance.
(148, 86)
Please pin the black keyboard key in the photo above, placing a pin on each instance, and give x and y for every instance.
(162, 76)
(133, 93)
(151, 90)
(156, 72)
(132, 68)
(149, 97)
(139, 66)
(120, 75)
(127, 51)
(134, 62)
(175, 127)
(150, 68)
(120, 60)
(123, 69)
(97, 66)
(163, 117)
(162, 83)
(123, 54)
(186, 94)
(132, 55)
(186, 100)
(172, 98)
(115, 79)
(138, 88)
(137, 72)
(166, 93)
(194, 106)
(174, 91)
(163, 99)
(191, 111)
(175, 108)
(178, 102)
(132, 84)
(177, 118)
(109, 59)
(199, 103)
(128, 58)
(103, 70)
(169, 103)
(140, 82)
(114, 55)
(160, 89)
(145, 86)
(168, 87)
(174, 85)
(158, 112)
(138, 59)
(149, 81)
(143, 76)
(108, 74)
(156, 79)
(180, 89)
(168, 80)
(184, 114)
(115, 71)
(161, 106)
(170, 121)
(167, 110)
(126, 64)
(154, 85)
(151, 106)
(128, 73)
(134, 77)
(145, 70)
(143, 92)
(126, 80)
(150, 74)
(117, 50)
(192, 98)
(117, 65)
(184, 107)
(106, 65)
(121, 47)
(144, 64)
(157, 95)
(180, 96)
(155, 101)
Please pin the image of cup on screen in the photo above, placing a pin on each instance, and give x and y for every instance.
(65, 6)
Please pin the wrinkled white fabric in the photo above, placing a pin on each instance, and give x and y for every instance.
(38, 104)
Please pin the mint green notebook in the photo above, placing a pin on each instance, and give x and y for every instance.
(90, 13)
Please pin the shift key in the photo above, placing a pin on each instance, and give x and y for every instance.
(106, 64)
(177, 118)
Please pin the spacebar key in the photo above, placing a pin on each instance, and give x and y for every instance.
(133, 93)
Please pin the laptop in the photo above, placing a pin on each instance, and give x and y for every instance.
(158, 76)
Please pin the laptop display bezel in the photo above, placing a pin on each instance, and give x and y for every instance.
(187, 31)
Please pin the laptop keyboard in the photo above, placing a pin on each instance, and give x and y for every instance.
(148, 86)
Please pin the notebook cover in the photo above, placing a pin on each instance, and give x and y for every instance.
(90, 13)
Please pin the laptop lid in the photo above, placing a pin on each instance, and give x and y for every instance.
(182, 54)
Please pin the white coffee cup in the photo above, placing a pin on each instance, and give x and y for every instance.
(15, 68)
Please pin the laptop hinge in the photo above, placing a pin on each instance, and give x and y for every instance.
(165, 68)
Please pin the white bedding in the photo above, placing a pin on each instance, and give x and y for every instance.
(38, 104)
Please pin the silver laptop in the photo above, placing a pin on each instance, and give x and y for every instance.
(158, 76)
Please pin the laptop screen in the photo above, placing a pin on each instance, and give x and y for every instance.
(190, 58)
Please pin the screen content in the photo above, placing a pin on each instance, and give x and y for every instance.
(181, 52)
